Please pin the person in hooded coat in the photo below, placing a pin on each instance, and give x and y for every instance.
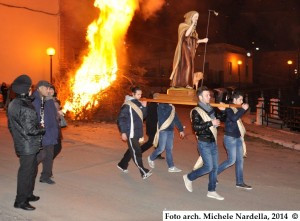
(183, 62)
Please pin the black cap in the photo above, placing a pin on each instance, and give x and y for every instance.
(43, 83)
(21, 84)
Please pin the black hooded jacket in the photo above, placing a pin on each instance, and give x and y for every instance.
(24, 126)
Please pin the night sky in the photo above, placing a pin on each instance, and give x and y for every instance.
(268, 24)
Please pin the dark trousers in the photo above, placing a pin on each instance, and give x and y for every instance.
(26, 177)
(57, 149)
(127, 156)
(45, 156)
(134, 151)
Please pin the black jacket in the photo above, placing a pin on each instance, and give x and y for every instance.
(231, 126)
(201, 128)
(124, 119)
(24, 126)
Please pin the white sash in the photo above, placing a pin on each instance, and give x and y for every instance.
(139, 113)
(164, 126)
(242, 131)
(214, 131)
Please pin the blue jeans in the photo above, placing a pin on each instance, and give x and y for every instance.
(234, 148)
(209, 153)
(165, 141)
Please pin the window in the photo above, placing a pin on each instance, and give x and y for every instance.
(230, 68)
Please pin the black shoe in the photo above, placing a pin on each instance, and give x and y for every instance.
(160, 157)
(24, 206)
(48, 180)
(244, 186)
(33, 198)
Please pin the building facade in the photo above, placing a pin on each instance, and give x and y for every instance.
(28, 28)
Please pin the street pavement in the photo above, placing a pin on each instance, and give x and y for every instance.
(90, 187)
(272, 133)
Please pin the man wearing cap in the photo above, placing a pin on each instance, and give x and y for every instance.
(48, 116)
(25, 129)
(60, 118)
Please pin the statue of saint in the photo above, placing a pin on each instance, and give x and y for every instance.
(183, 63)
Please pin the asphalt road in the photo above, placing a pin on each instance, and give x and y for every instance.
(90, 187)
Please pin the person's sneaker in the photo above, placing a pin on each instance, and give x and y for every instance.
(123, 170)
(147, 175)
(174, 170)
(151, 163)
(48, 181)
(244, 186)
(214, 195)
(187, 183)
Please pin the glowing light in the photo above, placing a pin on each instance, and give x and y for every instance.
(99, 67)
(50, 51)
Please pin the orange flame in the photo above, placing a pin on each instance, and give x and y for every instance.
(99, 67)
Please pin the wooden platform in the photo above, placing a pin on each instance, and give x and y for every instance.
(181, 96)
(177, 96)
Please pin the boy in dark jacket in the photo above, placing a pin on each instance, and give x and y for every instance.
(167, 119)
(234, 140)
(25, 129)
(130, 123)
(151, 128)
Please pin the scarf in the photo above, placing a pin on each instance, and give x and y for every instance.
(208, 108)
(242, 131)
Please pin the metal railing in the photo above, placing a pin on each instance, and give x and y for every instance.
(291, 116)
(272, 112)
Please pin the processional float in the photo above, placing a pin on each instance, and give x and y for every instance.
(187, 96)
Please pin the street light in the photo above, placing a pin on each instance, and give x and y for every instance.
(239, 62)
(50, 52)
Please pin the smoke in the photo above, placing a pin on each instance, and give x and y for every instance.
(148, 8)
